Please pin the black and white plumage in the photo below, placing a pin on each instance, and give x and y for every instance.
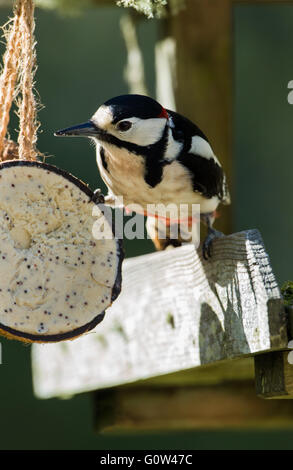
(150, 155)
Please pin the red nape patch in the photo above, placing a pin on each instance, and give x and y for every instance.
(163, 114)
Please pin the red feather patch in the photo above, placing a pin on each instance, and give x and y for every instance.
(163, 114)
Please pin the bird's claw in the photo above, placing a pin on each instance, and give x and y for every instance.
(97, 197)
(207, 246)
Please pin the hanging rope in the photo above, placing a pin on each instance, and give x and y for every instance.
(17, 82)
(28, 125)
(9, 73)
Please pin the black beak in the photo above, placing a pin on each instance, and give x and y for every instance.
(87, 129)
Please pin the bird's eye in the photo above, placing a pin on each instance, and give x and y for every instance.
(124, 125)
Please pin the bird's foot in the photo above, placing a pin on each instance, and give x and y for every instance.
(208, 242)
(97, 197)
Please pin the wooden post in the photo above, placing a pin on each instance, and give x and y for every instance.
(203, 38)
(274, 370)
(274, 375)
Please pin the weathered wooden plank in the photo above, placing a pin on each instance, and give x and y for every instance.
(176, 311)
(222, 406)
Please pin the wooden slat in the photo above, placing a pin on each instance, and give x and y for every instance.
(222, 406)
(176, 311)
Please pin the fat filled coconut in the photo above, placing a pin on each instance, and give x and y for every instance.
(56, 277)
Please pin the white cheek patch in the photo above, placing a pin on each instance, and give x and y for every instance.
(200, 146)
(143, 131)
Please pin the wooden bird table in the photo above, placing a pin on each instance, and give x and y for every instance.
(176, 349)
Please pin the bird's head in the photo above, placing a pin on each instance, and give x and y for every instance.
(127, 119)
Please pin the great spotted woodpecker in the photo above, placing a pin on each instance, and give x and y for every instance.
(151, 155)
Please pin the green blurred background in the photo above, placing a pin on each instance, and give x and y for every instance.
(81, 61)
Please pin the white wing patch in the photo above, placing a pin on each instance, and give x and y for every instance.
(201, 147)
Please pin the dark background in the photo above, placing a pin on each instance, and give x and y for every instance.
(81, 62)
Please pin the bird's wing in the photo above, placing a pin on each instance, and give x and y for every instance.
(207, 175)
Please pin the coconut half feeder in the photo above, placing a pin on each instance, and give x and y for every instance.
(56, 279)
(59, 270)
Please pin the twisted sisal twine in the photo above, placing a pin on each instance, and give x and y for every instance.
(17, 77)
